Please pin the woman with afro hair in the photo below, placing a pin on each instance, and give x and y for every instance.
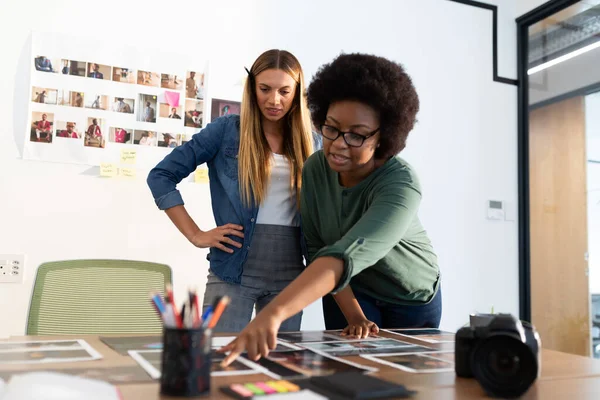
(359, 204)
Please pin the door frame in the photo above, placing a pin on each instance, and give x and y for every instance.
(523, 23)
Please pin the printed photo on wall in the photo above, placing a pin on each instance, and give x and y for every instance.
(63, 98)
(194, 112)
(170, 106)
(44, 95)
(120, 135)
(94, 134)
(72, 67)
(147, 78)
(95, 101)
(194, 85)
(98, 71)
(76, 99)
(220, 108)
(123, 105)
(146, 111)
(123, 75)
(171, 82)
(144, 138)
(46, 64)
(41, 127)
(67, 130)
(169, 140)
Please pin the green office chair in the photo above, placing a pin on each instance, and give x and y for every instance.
(79, 297)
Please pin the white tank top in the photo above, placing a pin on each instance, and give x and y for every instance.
(279, 206)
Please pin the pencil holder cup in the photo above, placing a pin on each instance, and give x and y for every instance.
(186, 362)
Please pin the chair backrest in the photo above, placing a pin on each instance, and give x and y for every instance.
(96, 297)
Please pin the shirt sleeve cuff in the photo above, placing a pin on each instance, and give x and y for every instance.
(169, 200)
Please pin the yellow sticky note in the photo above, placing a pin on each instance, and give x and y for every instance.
(128, 172)
(108, 169)
(128, 156)
(201, 175)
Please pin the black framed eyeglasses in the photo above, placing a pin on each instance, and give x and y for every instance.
(352, 139)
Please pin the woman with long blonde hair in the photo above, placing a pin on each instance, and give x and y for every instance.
(255, 165)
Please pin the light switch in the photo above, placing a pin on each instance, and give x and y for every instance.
(495, 210)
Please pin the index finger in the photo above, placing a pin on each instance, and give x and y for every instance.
(235, 353)
(233, 226)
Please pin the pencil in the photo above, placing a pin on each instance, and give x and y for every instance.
(218, 311)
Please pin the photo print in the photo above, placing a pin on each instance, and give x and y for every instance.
(170, 105)
(194, 112)
(169, 140)
(68, 130)
(123, 105)
(123, 75)
(146, 110)
(194, 85)
(94, 134)
(76, 99)
(145, 138)
(43, 63)
(220, 108)
(44, 95)
(98, 71)
(41, 127)
(171, 82)
(147, 78)
(95, 101)
(120, 135)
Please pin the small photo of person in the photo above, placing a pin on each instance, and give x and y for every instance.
(41, 127)
(144, 138)
(98, 71)
(63, 98)
(67, 130)
(167, 111)
(147, 78)
(171, 82)
(96, 101)
(120, 135)
(194, 85)
(123, 105)
(146, 110)
(94, 133)
(123, 75)
(168, 140)
(77, 68)
(43, 95)
(45, 64)
(194, 112)
(76, 99)
(65, 67)
(220, 108)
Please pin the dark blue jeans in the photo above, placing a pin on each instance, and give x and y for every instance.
(386, 315)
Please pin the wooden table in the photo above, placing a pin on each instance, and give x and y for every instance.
(563, 376)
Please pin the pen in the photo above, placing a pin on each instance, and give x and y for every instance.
(169, 316)
(223, 302)
(157, 303)
(177, 317)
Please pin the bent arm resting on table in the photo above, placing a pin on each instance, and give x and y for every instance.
(260, 336)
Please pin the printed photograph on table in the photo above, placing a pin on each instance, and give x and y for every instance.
(94, 134)
(194, 85)
(41, 127)
(76, 99)
(220, 108)
(307, 363)
(415, 363)
(122, 345)
(148, 78)
(356, 347)
(123, 75)
(146, 110)
(113, 375)
(40, 344)
(120, 135)
(425, 334)
(44, 63)
(171, 82)
(310, 336)
(145, 138)
(194, 112)
(99, 71)
(63, 98)
(35, 352)
(95, 101)
(169, 140)
(123, 105)
(44, 95)
(73, 68)
(67, 130)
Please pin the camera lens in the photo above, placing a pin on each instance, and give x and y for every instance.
(504, 366)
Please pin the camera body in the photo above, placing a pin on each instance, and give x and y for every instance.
(501, 352)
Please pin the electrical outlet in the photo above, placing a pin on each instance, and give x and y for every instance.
(12, 268)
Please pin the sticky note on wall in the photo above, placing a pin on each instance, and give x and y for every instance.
(128, 172)
(201, 175)
(108, 169)
(128, 156)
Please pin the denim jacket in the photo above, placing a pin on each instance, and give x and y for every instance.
(217, 145)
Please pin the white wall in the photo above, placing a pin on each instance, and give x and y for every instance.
(592, 114)
(464, 147)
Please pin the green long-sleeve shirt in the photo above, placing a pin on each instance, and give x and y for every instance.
(373, 227)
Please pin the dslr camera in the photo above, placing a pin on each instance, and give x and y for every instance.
(500, 352)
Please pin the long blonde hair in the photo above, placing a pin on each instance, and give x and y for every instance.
(254, 157)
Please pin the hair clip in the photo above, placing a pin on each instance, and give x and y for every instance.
(249, 73)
